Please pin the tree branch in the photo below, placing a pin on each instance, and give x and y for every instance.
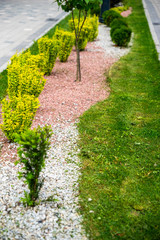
(85, 16)
(74, 24)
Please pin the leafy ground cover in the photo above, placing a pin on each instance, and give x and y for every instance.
(120, 152)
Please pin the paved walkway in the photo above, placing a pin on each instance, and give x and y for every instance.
(22, 22)
(152, 11)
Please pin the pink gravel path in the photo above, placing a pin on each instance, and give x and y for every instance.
(63, 100)
(126, 13)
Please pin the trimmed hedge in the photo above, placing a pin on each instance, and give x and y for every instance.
(121, 36)
(65, 41)
(48, 47)
(24, 76)
(117, 23)
(109, 16)
(18, 114)
(25, 83)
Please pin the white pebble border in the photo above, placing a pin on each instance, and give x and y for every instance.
(104, 41)
(57, 219)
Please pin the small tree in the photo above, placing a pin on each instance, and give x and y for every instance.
(32, 153)
(83, 6)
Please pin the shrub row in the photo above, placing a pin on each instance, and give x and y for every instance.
(26, 71)
(120, 32)
(25, 83)
(24, 76)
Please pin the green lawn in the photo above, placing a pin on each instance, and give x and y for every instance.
(3, 84)
(120, 147)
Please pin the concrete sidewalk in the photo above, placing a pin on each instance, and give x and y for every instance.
(22, 22)
(152, 11)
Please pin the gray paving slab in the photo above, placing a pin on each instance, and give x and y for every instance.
(152, 11)
(24, 21)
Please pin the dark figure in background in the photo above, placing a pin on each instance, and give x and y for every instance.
(105, 6)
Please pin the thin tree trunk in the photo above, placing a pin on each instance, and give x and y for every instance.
(78, 74)
(77, 35)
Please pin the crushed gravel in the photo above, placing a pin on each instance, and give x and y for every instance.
(54, 219)
(58, 218)
(105, 42)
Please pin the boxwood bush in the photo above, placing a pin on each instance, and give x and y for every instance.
(121, 36)
(109, 15)
(117, 23)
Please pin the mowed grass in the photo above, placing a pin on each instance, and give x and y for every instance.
(3, 84)
(34, 50)
(120, 146)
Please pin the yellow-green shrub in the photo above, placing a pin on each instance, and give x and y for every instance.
(17, 114)
(120, 9)
(65, 42)
(31, 60)
(49, 47)
(24, 78)
(93, 23)
(89, 31)
(39, 60)
(85, 32)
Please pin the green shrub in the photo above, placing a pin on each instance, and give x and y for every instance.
(32, 153)
(24, 78)
(65, 42)
(109, 16)
(96, 10)
(121, 36)
(117, 23)
(49, 47)
(17, 114)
